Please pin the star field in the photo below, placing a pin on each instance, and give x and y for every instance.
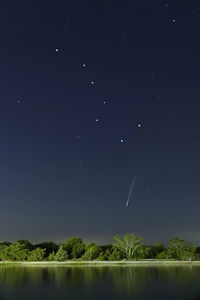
(92, 94)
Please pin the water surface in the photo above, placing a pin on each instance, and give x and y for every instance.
(97, 282)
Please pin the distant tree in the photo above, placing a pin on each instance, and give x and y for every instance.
(163, 255)
(89, 245)
(49, 246)
(6, 243)
(156, 249)
(181, 250)
(128, 245)
(105, 248)
(115, 255)
(26, 244)
(198, 253)
(2, 246)
(101, 256)
(5, 252)
(78, 250)
(143, 252)
(105, 252)
(51, 256)
(61, 254)
(91, 252)
(37, 254)
(19, 250)
(74, 247)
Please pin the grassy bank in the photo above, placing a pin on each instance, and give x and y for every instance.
(100, 263)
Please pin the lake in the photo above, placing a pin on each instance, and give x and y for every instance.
(100, 282)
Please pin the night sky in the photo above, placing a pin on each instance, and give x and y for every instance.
(93, 93)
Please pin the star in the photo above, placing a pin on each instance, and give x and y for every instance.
(57, 49)
(97, 120)
(92, 82)
(84, 65)
(139, 125)
(173, 20)
(104, 102)
(121, 140)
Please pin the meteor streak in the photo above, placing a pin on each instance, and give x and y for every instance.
(131, 190)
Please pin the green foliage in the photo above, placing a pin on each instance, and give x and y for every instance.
(77, 251)
(156, 249)
(37, 254)
(128, 245)
(101, 256)
(105, 248)
(105, 252)
(91, 252)
(74, 247)
(143, 252)
(181, 250)
(51, 256)
(49, 246)
(5, 253)
(198, 250)
(89, 245)
(110, 253)
(163, 255)
(20, 250)
(26, 244)
(5, 243)
(61, 255)
(115, 255)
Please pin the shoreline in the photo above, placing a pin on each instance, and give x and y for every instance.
(100, 263)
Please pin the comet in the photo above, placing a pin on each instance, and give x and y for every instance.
(131, 190)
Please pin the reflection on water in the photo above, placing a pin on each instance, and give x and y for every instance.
(97, 282)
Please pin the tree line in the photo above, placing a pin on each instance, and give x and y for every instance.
(127, 247)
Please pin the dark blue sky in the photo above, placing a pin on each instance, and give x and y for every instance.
(92, 94)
